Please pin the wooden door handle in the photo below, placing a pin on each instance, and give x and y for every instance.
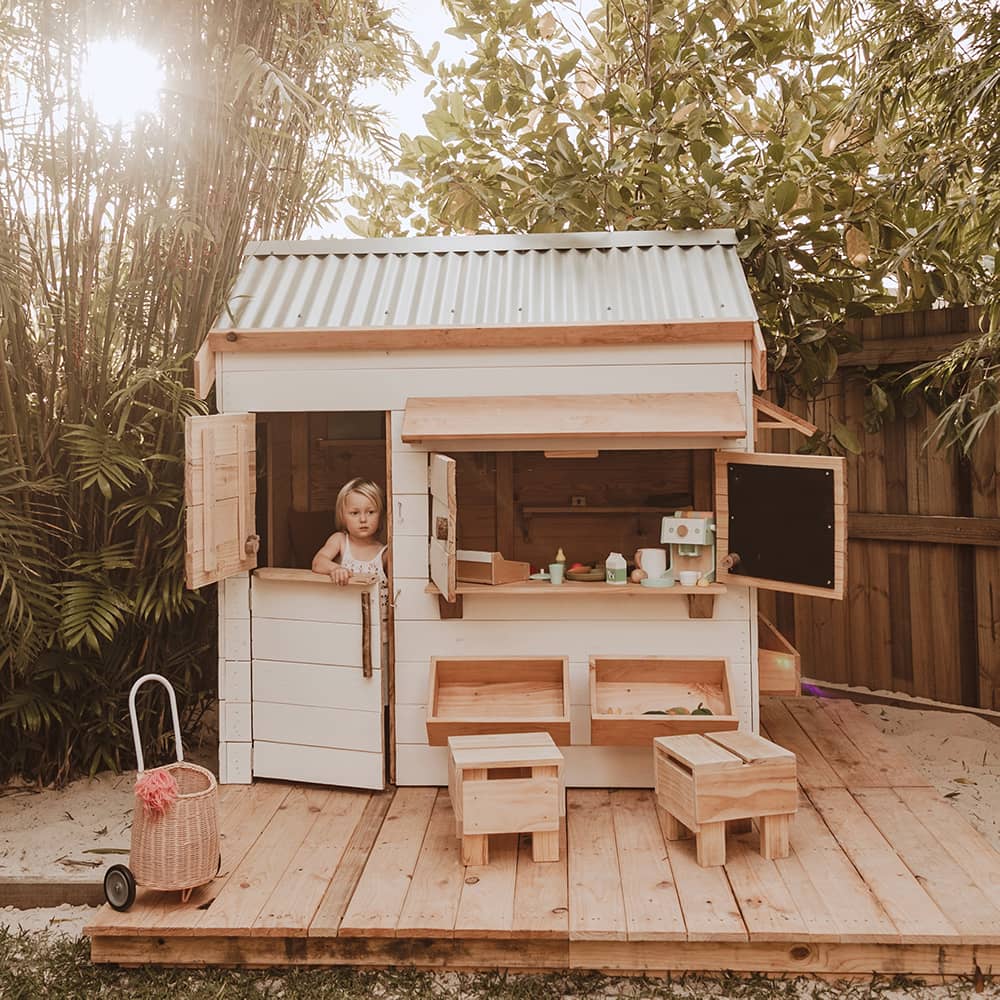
(366, 633)
(441, 529)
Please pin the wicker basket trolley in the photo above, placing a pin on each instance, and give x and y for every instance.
(180, 848)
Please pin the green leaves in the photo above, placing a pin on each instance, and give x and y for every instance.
(781, 198)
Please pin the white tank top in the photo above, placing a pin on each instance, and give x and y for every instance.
(362, 567)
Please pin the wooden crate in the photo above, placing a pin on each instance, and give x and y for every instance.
(778, 662)
(622, 689)
(475, 695)
(704, 781)
(506, 783)
(489, 567)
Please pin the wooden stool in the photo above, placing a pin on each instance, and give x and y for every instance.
(509, 783)
(704, 781)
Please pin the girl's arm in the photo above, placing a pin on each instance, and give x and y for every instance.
(324, 560)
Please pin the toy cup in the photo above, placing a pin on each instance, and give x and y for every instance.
(556, 570)
(653, 562)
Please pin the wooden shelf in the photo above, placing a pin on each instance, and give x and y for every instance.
(597, 509)
(572, 589)
(701, 600)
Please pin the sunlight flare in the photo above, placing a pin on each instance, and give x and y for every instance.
(121, 80)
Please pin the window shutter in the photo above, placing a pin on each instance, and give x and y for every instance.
(220, 493)
(443, 524)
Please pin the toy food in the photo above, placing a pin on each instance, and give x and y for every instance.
(701, 710)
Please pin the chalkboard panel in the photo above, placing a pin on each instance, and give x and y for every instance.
(781, 522)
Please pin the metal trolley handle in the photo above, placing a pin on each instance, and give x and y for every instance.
(135, 721)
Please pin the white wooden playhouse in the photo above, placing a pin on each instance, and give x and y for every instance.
(513, 395)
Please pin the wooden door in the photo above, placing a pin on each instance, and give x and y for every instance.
(317, 682)
(781, 522)
(220, 486)
(443, 524)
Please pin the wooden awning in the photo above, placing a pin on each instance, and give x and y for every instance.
(531, 422)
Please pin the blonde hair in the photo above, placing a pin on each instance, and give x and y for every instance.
(369, 490)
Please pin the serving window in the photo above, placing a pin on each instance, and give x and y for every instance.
(527, 506)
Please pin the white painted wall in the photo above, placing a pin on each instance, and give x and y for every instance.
(573, 626)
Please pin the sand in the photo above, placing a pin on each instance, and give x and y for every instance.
(79, 830)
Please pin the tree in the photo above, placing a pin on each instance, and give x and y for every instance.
(117, 249)
(930, 85)
(660, 114)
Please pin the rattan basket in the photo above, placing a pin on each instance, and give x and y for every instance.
(178, 848)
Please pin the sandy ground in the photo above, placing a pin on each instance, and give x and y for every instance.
(77, 831)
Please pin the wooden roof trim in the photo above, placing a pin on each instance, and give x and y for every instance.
(758, 358)
(545, 419)
(443, 338)
(779, 417)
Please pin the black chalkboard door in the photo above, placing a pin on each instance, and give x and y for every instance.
(781, 522)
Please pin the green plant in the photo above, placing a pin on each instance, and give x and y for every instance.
(117, 249)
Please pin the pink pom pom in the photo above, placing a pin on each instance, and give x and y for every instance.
(157, 789)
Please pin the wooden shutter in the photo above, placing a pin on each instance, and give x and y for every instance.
(781, 522)
(443, 521)
(220, 493)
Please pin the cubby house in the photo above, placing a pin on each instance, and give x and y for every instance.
(514, 395)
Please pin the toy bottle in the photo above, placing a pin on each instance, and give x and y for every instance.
(614, 570)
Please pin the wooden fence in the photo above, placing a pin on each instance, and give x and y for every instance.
(922, 608)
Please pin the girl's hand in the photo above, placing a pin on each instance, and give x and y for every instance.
(340, 575)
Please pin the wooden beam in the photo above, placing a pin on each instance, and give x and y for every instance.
(28, 893)
(780, 418)
(929, 528)
(445, 338)
(903, 350)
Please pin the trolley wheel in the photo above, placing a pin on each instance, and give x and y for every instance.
(119, 887)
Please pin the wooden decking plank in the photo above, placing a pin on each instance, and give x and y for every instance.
(855, 911)
(263, 867)
(378, 899)
(963, 842)
(782, 728)
(596, 904)
(541, 892)
(916, 916)
(652, 909)
(955, 891)
(708, 905)
(326, 921)
(290, 908)
(248, 810)
(819, 922)
(854, 767)
(864, 734)
(486, 909)
(431, 903)
(768, 910)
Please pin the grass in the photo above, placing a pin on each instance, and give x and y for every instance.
(37, 965)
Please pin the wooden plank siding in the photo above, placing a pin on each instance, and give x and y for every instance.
(922, 610)
(883, 875)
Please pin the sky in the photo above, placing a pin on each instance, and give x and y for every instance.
(426, 20)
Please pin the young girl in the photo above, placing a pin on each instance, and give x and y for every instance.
(355, 549)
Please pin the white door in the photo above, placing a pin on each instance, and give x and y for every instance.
(317, 682)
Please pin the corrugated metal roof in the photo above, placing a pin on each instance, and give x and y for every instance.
(492, 281)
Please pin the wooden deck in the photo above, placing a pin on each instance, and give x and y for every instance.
(884, 876)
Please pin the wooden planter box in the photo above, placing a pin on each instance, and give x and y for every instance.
(471, 696)
(621, 690)
(778, 662)
(489, 567)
